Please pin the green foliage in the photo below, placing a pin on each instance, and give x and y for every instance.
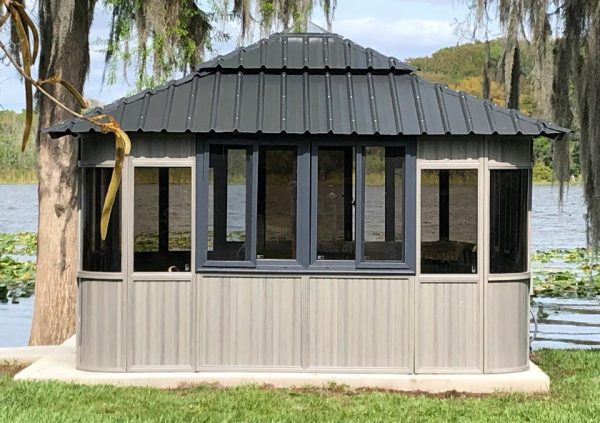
(565, 273)
(460, 68)
(16, 166)
(542, 174)
(17, 270)
(542, 151)
(149, 242)
(574, 397)
(453, 64)
(460, 65)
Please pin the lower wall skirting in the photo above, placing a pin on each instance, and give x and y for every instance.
(294, 323)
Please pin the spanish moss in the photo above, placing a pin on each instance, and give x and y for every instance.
(565, 34)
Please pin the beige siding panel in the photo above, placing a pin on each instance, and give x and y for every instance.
(448, 328)
(158, 146)
(249, 322)
(101, 337)
(449, 148)
(161, 325)
(507, 326)
(360, 323)
(509, 151)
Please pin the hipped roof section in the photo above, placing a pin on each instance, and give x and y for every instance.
(309, 83)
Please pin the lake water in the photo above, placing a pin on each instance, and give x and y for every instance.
(572, 323)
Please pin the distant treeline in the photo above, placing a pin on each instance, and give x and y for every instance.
(461, 68)
(458, 67)
(16, 166)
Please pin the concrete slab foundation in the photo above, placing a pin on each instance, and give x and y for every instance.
(59, 365)
(24, 355)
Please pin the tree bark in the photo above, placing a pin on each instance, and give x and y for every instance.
(64, 30)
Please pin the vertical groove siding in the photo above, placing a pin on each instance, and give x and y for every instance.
(249, 321)
(509, 150)
(96, 148)
(161, 324)
(360, 323)
(101, 337)
(158, 146)
(449, 335)
(449, 148)
(507, 326)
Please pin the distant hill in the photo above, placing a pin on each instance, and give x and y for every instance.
(461, 68)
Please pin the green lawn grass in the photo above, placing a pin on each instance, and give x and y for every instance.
(575, 397)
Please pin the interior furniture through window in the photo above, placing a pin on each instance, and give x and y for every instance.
(449, 220)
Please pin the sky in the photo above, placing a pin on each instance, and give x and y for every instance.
(399, 28)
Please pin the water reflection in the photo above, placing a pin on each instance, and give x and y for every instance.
(564, 323)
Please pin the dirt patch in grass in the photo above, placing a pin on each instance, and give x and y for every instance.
(10, 369)
(335, 389)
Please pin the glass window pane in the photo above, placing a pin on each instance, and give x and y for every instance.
(508, 220)
(162, 219)
(98, 255)
(449, 201)
(335, 203)
(276, 216)
(384, 203)
(180, 209)
(228, 198)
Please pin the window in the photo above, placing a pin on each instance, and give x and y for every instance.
(276, 214)
(335, 203)
(285, 203)
(162, 219)
(449, 221)
(383, 203)
(98, 255)
(508, 220)
(229, 202)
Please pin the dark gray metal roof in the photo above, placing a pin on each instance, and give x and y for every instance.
(306, 51)
(302, 87)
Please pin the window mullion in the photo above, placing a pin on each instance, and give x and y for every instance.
(359, 204)
(303, 213)
(252, 201)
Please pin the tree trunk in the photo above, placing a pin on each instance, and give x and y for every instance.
(64, 29)
(515, 77)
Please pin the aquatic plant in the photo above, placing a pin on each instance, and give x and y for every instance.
(555, 273)
(571, 273)
(17, 265)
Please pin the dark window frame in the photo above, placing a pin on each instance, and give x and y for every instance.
(409, 206)
(202, 164)
(307, 160)
(85, 214)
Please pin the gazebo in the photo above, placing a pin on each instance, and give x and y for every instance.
(305, 204)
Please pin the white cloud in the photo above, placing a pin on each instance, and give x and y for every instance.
(402, 38)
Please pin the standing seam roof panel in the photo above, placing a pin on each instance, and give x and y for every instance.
(312, 95)
(322, 103)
